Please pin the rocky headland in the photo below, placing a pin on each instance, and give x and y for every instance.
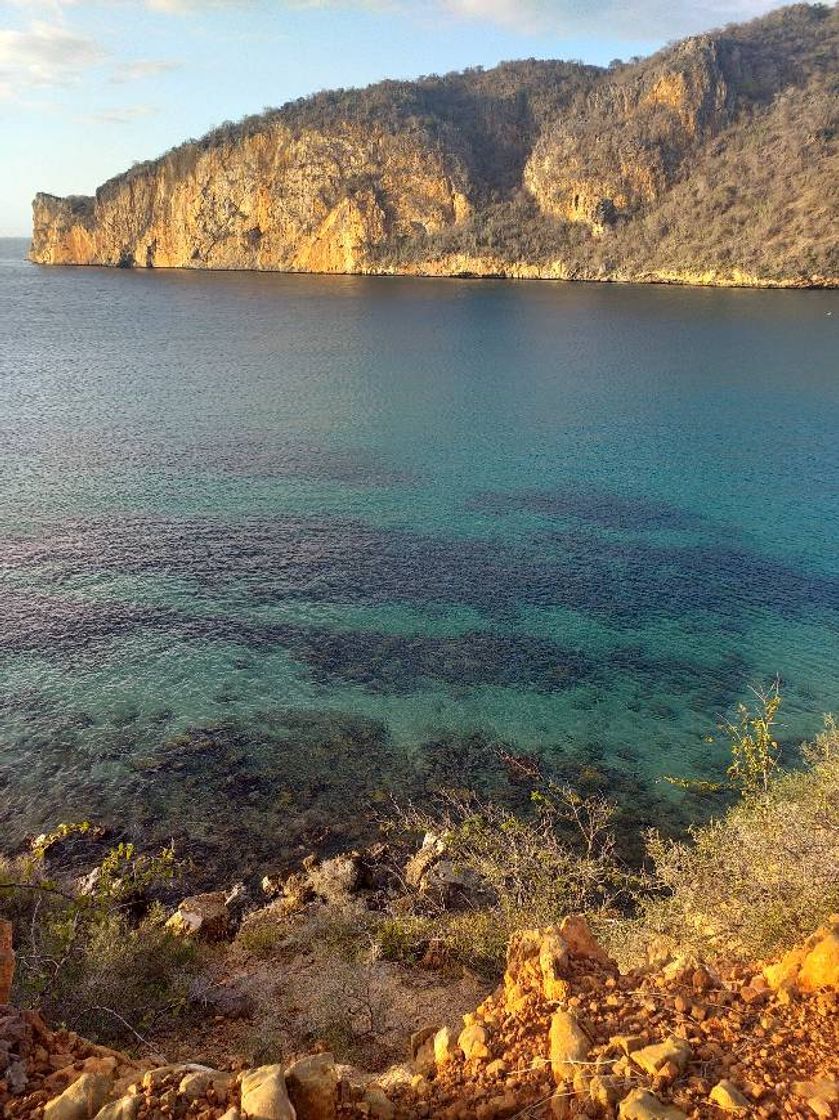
(712, 162)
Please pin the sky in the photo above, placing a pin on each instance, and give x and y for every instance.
(88, 87)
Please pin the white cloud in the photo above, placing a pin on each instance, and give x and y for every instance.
(630, 18)
(179, 6)
(144, 68)
(124, 115)
(45, 54)
(638, 18)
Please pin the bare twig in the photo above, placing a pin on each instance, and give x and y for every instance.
(116, 1015)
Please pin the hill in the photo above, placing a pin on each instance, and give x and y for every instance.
(715, 160)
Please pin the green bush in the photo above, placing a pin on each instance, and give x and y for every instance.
(743, 886)
(97, 959)
(262, 937)
(761, 877)
(520, 870)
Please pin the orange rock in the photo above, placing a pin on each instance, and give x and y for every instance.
(524, 967)
(568, 1045)
(581, 942)
(553, 962)
(821, 965)
(812, 966)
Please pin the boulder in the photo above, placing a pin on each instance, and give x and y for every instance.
(7, 961)
(726, 1096)
(81, 1100)
(264, 1094)
(653, 1059)
(641, 1104)
(821, 1095)
(472, 1040)
(568, 1045)
(812, 966)
(15, 1077)
(553, 964)
(88, 884)
(297, 891)
(419, 863)
(523, 974)
(820, 967)
(153, 1079)
(439, 878)
(445, 1046)
(126, 1108)
(231, 1000)
(202, 915)
(627, 1043)
(398, 1079)
(581, 942)
(538, 960)
(312, 1085)
(196, 1083)
(422, 1049)
(603, 1091)
(335, 880)
(378, 1105)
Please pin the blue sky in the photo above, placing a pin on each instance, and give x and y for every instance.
(89, 86)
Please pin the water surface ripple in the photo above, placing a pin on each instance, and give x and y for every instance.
(274, 547)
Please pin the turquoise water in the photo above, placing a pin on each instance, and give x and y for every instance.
(272, 548)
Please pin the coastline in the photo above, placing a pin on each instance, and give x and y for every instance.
(478, 269)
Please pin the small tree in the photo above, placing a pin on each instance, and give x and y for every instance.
(754, 750)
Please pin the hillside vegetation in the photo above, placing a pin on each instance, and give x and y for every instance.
(675, 1011)
(713, 161)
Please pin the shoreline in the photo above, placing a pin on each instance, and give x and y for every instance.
(505, 272)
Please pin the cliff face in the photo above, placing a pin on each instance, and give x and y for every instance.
(316, 201)
(580, 173)
(712, 162)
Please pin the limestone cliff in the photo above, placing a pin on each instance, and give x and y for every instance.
(310, 201)
(712, 162)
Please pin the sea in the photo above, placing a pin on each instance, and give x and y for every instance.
(281, 555)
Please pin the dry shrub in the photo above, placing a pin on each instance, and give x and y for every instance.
(764, 875)
(99, 960)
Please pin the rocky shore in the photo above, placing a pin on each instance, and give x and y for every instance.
(494, 972)
(565, 1034)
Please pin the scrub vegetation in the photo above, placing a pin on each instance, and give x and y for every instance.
(745, 885)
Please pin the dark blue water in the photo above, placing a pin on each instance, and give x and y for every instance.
(273, 547)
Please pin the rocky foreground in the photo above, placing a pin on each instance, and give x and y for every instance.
(564, 1035)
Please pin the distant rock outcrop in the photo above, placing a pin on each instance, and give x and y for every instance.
(713, 162)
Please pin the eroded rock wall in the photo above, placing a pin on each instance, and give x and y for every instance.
(316, 202)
